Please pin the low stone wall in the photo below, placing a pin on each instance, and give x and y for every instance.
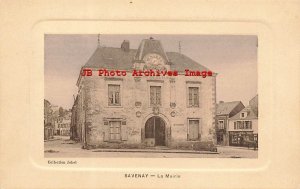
(187, 145)
(109, 145)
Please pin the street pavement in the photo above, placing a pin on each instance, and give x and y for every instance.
(62, 146)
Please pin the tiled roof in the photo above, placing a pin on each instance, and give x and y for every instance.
(111, 58)
(251, 114)
(116, 58)
(225, 108)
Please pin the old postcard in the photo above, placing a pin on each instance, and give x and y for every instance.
(151, 96)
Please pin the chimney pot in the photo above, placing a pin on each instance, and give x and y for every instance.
(125, 46)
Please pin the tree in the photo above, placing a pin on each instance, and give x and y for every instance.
(61, 112)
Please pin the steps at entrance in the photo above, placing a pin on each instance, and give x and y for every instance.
(158, 148)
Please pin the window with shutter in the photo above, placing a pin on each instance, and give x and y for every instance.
(114, 98)
(124, 132)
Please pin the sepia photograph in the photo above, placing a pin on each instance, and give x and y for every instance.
(164, 96)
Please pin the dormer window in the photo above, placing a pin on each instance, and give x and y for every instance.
(243, 115)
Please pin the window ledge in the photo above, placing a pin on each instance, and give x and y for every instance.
(114, 106)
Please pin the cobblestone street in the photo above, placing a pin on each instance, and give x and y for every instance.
(63, 147)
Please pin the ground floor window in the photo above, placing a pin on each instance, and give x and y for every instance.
(115, 130)
(241, 138)
(193, 129)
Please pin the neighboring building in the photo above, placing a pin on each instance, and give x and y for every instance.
(225, 110)
(143, 110)
(73, 126)
(63, 124)
(48, 121)
(243, 127)
(55, 115)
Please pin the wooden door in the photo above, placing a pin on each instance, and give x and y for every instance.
(159, 132)
(193, 129)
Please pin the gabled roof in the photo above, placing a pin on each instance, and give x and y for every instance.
(116, 58)
(250, 114)
(225, 108)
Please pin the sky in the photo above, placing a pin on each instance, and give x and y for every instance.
(233, 57)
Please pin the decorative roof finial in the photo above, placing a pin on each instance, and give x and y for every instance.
(179, 47)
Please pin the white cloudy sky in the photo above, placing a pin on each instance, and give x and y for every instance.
(233, 57)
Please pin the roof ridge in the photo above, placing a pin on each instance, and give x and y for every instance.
(123, 60)
(229, 102)
(137, 49)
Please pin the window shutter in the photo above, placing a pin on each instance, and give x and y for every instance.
(124, 132)
(196, 96)
(110, 97)
(117, 98)
(117, 94)
(106, 132)
(190, 97)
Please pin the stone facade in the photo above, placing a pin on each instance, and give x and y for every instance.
(48, 121)
(146, 110)
(63, 123)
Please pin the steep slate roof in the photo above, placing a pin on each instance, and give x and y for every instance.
(111, 58)
(116, 58)
(226, 107)
(251, 114)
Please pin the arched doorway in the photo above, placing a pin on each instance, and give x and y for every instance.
(155, 128)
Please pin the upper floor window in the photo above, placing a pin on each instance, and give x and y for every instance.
(248, 125)
(194, 96)
(242, 125)
(155, 95)
(114, 98)
(221, 124)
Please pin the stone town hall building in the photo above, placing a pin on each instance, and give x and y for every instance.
(143, 110)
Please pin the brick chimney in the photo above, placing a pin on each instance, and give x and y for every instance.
(125, 46)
